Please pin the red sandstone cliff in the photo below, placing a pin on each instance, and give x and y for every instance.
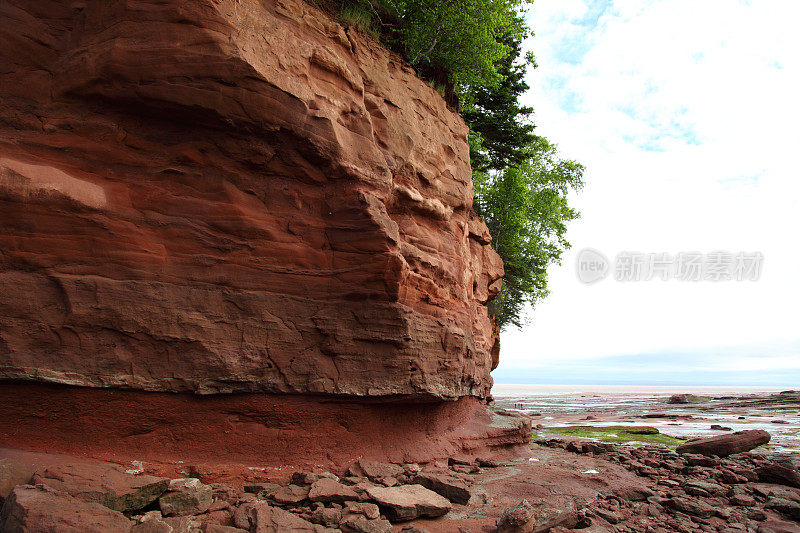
(209, 197)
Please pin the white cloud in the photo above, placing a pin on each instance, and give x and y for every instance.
(686, 116)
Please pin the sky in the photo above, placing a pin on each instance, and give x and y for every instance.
(686, 117)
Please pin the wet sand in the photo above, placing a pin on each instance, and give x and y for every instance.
(735, 408)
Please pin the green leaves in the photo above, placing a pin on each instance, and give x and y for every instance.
(462, 36)
(526, 209)
(455, 43)
(494, 113)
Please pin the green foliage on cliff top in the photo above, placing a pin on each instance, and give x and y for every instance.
(521, 186)
(471, 51)
(454, 43)
(526, 209)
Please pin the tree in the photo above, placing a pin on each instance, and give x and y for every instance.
(495, 114)
(455, 44)
(463, 38)
(521, 186)
(526, 210)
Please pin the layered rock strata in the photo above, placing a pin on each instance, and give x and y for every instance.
(222, 196)
(231, 196)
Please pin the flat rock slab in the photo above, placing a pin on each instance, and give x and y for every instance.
(290, 494)
(267, 519)
(12, 474)
(375, 470)
(309, 478)
(104, 484)
(725, 445)
(548, 519)
(36, 509)
(370, 510)
(452, 488)
(779, 473)
(408, 502)
(361, 524)
(181, 524)
(778, 526)
(633, 493)
(328, 490)
(691, 507)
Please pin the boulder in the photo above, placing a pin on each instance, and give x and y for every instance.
(362, 486)
(105, 484)
(152, 526)
(520, 518)
(12, 474)
(241, 516)
(691, 507)
(175, 524)
(361, 524)
(186, 496)
(328, 490)
(452, 488)
(370, 510)
(229, 494)
(786, 507)
(612, 517)
(686, 399)
(39, 509)
(703, 488)
(375, 470)
(408, 502)
(700, 460)
(778, 526)
(633, 493)
(725, 445)
(326, 516)
(550, 519)
(307, 478)
(265, 518)
(742, 500)
(183, 524)
(767, 490)
(779, 473)
(290, 494)
(488, 462)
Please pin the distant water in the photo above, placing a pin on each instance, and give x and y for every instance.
(603, 405)
(593, 398)
(505, 389)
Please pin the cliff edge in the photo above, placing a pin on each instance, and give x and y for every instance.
(230, 196)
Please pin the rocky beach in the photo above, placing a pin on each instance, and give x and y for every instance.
(706, 412)
(627, 477)
(245, 288)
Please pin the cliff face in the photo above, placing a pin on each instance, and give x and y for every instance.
(232, 195)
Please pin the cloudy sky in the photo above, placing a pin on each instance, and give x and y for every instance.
(686, 116)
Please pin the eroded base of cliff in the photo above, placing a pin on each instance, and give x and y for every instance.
(253, 429)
